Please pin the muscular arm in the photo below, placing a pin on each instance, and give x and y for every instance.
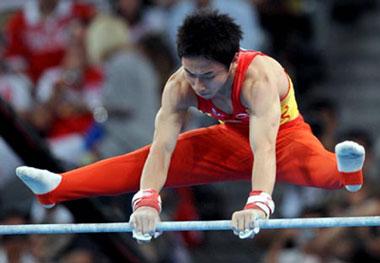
(263, 101)
(175, 102)
(176, 99)
(261, 96)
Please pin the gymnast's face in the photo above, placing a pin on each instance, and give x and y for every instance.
(205, 76)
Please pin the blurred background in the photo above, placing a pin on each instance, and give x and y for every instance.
(81, 81)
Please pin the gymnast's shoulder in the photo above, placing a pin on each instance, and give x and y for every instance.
(177, 91)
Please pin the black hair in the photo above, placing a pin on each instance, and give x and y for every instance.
(207, 33)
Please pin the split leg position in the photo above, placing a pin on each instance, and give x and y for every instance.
(214, 154)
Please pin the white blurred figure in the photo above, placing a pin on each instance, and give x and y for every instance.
(131, 86)
(70, 93)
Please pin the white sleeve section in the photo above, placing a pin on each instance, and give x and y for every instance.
(46, 83)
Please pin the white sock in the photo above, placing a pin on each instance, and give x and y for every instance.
(350, 158)
(39, 181)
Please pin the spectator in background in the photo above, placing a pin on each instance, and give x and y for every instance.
(15, 89)
(331, 244)
(136, 15)
(293, 39)
(16, 248)
(158, 51)
(47, 247)
(322, 114)
(290, 245)
(131, 87)
(244, 14)
(350, 244)
(349, 12)
(38, 33)
(68, 95)
(81, 250)
(146, 29)
(79, 255)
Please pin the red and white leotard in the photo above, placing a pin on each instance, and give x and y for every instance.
(289, 108)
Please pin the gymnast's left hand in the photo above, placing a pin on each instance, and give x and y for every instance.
(245, 222)
(144, 221)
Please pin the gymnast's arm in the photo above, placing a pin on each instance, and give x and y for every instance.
(261, 97)
(169, 121)
(263, 101)
(176, 100)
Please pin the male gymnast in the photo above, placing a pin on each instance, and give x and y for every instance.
(261, 137)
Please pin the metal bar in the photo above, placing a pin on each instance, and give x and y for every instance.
(189, 225)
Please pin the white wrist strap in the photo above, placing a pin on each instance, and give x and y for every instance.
(263, 201)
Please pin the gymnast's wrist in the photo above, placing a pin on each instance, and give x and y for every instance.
(262, 201)
(147, 198)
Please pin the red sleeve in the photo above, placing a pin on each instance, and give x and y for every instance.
(13, 32)
(84, 12)
(94, 76)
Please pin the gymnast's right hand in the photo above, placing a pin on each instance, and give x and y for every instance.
(144, 221)
(146, 205)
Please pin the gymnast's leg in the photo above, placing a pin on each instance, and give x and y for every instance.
(206, 155)
(302, 160)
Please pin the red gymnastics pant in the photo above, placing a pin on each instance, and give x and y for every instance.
(215, 154)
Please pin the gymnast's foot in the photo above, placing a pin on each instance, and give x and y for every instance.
(350, 158)
(39, 181)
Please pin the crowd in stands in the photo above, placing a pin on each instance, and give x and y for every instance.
(87, 76)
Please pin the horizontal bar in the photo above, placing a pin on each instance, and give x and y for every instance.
(189, 225)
